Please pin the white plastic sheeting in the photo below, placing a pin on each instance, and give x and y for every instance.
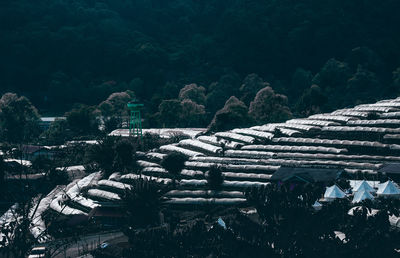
(155, 155)
(9, 216)
(73, 194)
(367, 158)
(375, 108)
(113, 185)
(327, 163)
(377, 122)
(273, 128)
(306, 121)
(58, 206)
(200, 146)
(105, 195)
(203, 201)
(218, 142)
(225, 160)
(114, 176)
(392, 115)
(335, 118)
(254, 133)
(246, 176)
(295, 148)
(313, 141)
(226, 184)
(38, 226)
(205, 193)
(128, 177)
(163, 132)
(186, 152)
(360, 129)
(249, 154)
(144, 164)
(231, 167)
(235, 137)
(351, 112)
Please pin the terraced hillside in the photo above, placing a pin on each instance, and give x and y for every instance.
(359, 139)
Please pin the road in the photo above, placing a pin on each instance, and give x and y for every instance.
(85, 244)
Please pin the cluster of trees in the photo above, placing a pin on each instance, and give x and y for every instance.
(287, 226)
(247, 102)
(321, 55)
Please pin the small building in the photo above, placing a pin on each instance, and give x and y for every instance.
(31, 152)
(306, 175)
(45, 122)
(391, 170)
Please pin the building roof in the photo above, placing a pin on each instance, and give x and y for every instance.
(309, 175)
(390, 168)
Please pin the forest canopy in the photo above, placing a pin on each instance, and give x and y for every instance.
(58, 53)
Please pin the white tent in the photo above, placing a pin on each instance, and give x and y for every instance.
(371, 212)
(388, 189)
(334, 192)
(363, 186)
(317, 206)
(362, 195)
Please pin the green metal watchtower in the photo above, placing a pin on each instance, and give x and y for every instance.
(135, 120)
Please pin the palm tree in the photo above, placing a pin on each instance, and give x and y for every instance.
(143, 202)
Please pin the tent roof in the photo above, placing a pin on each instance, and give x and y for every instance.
(362, 195)
(388, 188)
(334, 192)
(363, 186)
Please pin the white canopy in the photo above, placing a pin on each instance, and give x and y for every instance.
(363, 186)
(388, 188)
(334, 192)
(362, 195)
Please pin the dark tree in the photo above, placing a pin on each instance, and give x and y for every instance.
(269, 107)
(124, 155)
(19, 119)
(103, 154)
(233, 114)
(174, 163)
(215, 178)
(143, 202)
(82, 121)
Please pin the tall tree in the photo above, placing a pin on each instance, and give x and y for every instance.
(269, 107)
(19, 119)
(233, 114)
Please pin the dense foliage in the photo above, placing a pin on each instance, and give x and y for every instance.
(60, 52)
(143, 201)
